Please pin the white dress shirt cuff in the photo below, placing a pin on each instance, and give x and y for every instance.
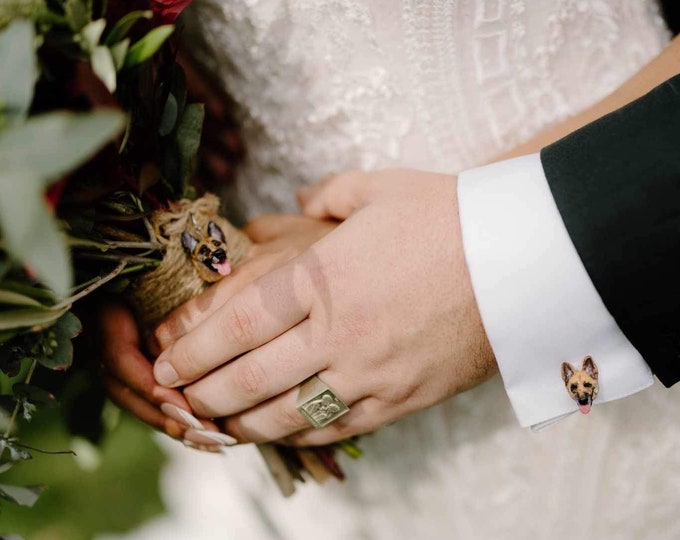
(537, 303)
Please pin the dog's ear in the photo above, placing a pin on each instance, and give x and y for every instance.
(189, 242)
(589, 367)
(567, 371)
(215, 231)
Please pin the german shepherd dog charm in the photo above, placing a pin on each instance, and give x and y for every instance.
(209, 253)
(581, 383)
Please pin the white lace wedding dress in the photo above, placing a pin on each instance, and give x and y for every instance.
(331, 85)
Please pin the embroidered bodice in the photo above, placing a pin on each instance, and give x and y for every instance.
(326, 86)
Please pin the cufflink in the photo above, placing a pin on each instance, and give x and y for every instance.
(581, 384)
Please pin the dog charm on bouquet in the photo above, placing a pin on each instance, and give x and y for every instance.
(582, 384)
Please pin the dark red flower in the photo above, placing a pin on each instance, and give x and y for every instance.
(166, 11)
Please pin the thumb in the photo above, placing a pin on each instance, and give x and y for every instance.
(336, 196)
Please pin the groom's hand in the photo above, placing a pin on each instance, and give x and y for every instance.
(127, 371)
(381, 309)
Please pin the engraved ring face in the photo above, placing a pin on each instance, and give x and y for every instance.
(318, 404)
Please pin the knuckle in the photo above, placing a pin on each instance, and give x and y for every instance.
(250, 379)
(187, 365)
(290, 419)
(241, 325)
(166, 333)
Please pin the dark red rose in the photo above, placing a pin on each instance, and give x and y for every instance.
(166, 11)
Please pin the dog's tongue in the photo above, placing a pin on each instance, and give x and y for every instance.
(585, 409)
(224, 268)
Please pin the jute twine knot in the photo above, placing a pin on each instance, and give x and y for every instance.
(155, 294)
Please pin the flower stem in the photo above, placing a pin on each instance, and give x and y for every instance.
(87, 290)
(15, 412)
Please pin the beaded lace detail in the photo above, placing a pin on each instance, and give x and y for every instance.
(332, 85)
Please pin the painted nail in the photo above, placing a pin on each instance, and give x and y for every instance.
(209, 437)
(165, 374)
(180, 415)
(214, 448)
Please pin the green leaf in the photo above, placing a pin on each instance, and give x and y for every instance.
(189, 138)
(169, 117)
(42, 295)
(77, 14)
(118, 52)
(124, 25)
(18, 66)
(28, 317)
(146, 47)
(31, 232)
(104, 66)
(92, 33)
(50, 145)
(23, 496)
(16, 299)
(67, 327)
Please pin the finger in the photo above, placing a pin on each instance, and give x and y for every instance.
(133, 369)
(122, 358)
(336, 197)
(268, 227)
(279, 417)
(363, 417)
(259, 313)
(268, 371)
(127, 399)
(196, 310)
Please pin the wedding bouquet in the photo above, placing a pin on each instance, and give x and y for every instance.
(98, 142)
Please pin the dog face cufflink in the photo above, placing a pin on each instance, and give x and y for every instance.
(581, 383)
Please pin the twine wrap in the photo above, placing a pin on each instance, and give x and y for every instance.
(176, 280)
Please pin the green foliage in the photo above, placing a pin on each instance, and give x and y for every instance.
(188, 139)
(19, 68)
(112, 492)
(41, 149)
(146, 47)
(124, 25)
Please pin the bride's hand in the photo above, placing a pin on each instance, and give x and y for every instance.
(128, 373)
(382, 309)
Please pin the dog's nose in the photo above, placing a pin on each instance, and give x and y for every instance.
(218, 256)
(583, 400)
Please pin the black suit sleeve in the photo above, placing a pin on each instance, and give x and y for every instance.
(616, 183)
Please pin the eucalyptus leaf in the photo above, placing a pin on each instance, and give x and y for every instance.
(23, 496)
(188, 138)
(16, 299)
(92, 33)
(118, 52)
(6, 467)
(77, 13)
(18, 66)
(124, 25)
(27, 317)
(67, 327)
(104, 66)
(146, 47)
(169, 117)
(49, 145)
(32, 235)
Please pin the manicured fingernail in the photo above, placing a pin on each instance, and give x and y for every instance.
(180, 415)
(214, 448)
(209, 437)
(165, 374)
